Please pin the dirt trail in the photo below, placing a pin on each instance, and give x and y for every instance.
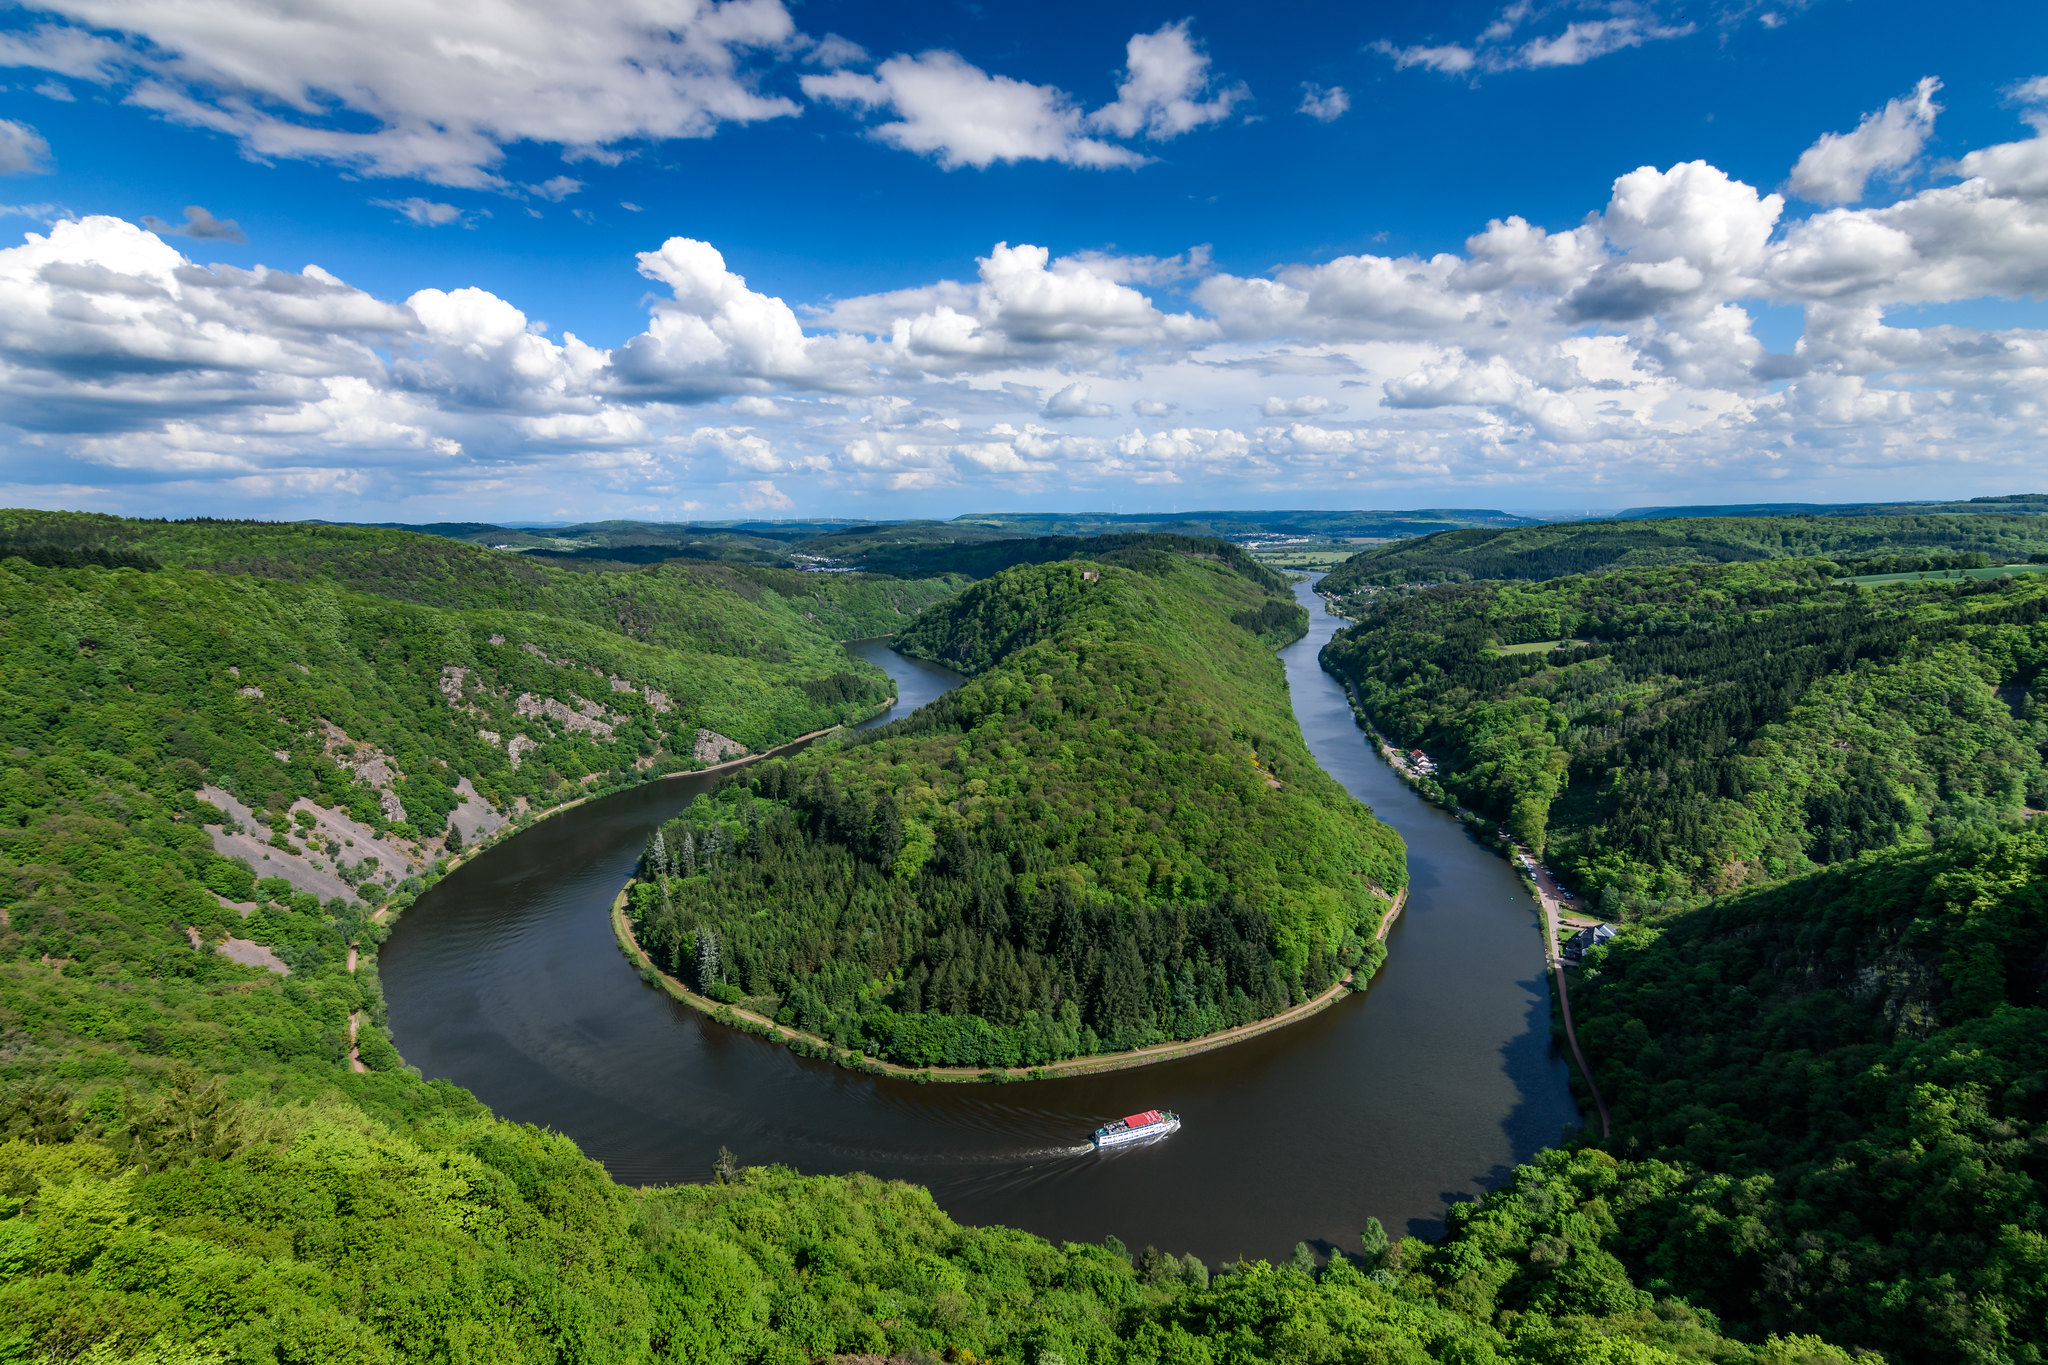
(1076, 1066)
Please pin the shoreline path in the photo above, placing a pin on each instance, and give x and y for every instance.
(762, 1025)
(1547, 891)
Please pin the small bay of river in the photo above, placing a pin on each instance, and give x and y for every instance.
(505, 979)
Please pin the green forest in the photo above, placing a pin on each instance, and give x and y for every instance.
(1535, 553)
(1834, 1097)
(1831, 1091)
(191, 1173)
(1670, 733)
(1112, 836)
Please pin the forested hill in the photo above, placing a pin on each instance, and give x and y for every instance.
(1535, 553)
(915, 558)
(1670, 732)
(1112, 836)
(194, 757)
(1838, 1091)
(733, 609)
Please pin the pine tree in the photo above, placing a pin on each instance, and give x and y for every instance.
(708, 964)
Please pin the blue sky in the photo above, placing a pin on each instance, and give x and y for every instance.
(1245, 259)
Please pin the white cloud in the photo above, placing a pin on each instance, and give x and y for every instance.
(1324, 104)
(56, 90)
(22, 149)
(714, 335)
(948, 108)
(1073, 401)
(1622, 351)
(1307, 405)
(556, 189)
(1451, 59)
(422, 212)
(433, 89)
(1025, 306)
(1835, 169)
(763, 496)
(1586, 40)
(1165, 76)
(1626, 24)
(1692, 235)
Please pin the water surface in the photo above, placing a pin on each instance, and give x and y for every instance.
(505, 979)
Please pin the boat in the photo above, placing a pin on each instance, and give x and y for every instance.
(1153, 1123)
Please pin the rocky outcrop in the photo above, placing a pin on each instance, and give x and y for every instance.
(713, 747)
(588, 715)
(252, 954)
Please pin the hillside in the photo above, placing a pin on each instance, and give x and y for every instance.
(1535, 553)
(1113, 836)
(735, 610)
(1706, 727)
(1838, 1092)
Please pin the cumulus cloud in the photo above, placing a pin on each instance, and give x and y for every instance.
(1073, 401)
(1691, 236)
(22, 149)
(713, 335)
(1165, 77)
(433, 89)
(1025, 306)
(199, 224)
(1835, 169)
(1623, 348)
(948, 108)
(1324, 104)
(945, 107)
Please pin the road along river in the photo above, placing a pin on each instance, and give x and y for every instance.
(505, 979)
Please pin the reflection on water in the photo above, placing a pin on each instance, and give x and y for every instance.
(505, 979)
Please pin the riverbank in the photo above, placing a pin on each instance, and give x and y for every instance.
(811, 1045)
(1538, 882)
(387, 914)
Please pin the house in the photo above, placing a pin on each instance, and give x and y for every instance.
(1577, 945)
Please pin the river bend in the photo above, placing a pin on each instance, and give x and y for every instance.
(505, 979)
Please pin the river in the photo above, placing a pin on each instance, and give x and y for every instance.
(1425, 1089)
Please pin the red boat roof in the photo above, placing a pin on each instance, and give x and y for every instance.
(1140, 1120)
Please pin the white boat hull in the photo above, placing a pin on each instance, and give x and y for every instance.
(1129, 1135)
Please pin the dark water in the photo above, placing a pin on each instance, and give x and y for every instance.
(505, 979)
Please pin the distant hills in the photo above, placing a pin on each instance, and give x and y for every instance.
(2005, 505)
(915, 545)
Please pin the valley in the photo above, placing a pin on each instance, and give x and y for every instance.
(292, 959)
